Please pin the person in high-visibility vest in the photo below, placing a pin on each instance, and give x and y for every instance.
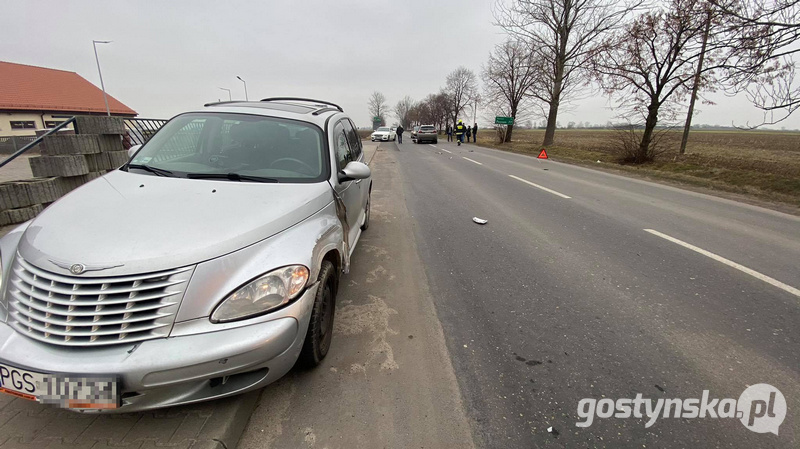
(460, 130)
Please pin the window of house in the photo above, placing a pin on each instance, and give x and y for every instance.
(23, 124)
(52, 123)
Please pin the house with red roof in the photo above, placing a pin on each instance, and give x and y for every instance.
(34, 98)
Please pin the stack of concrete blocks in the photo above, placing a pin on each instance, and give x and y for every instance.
(66, 162)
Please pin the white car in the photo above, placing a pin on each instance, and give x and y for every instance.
(383, 134)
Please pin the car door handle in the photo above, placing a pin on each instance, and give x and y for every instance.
(358, 181)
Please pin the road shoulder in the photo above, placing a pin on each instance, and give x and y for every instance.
(388, 380)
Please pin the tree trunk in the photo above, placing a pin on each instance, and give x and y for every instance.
(555, 97)
(509, 130)
(696, 85)
(552, 116)
(643, 154)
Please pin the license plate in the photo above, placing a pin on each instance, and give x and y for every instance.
(66, 391)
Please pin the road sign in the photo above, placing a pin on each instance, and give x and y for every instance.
(503, 120)
(542, 154)
(376, 119)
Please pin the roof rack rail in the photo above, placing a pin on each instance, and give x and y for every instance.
(324, 109)
(221, 102)
(308, 100)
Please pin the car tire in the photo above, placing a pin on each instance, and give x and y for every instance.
(365, 226)
(320, 327)
(436, 141)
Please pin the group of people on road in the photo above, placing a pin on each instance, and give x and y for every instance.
(461, 130)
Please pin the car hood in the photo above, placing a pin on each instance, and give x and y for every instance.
(149, 223)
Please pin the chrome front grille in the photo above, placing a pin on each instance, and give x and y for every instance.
(93, 311)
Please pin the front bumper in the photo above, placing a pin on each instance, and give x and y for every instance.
(179, 370)
(382, 138)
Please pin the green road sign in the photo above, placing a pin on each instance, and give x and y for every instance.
(376, 119)
(503, 120)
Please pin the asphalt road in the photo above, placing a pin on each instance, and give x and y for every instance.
(564, 294)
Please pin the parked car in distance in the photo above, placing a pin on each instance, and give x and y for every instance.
(383, 134)
(414, 133)
(427, 133)
(205, 267)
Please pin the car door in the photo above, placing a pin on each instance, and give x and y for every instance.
(348, 191)
(358, 155)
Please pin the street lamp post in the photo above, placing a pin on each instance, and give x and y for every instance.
(103, 86)
(245, 87)
(229, 93)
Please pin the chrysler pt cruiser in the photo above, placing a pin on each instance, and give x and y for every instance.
(204, 267)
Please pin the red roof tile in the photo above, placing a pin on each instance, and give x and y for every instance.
(30, 88)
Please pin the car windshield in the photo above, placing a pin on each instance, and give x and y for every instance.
(383, 129)
(427, 128)
(236, 147)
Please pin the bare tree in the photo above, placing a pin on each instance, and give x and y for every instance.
(765, 36)
(509, 75)
(402, 110)
(560, 33)
(649, 64)
(378, 107)
(461, 89)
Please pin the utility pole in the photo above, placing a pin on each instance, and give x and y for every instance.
(245, 88)
(696, 86)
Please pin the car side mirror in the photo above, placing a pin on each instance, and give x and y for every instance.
(354, 170)
(132, 150)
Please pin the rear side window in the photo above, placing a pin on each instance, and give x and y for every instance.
(352, 138)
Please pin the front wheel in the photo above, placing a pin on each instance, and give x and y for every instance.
(320, 327)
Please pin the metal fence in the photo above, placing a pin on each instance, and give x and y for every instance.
(9, 145)
(140, 130)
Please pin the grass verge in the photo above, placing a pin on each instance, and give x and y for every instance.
(757, 167)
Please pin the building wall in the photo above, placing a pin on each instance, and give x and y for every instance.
(6, 117)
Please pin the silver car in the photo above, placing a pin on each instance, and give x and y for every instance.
(427, 133)
(204, 267)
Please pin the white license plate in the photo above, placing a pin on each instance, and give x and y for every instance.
(66, 391)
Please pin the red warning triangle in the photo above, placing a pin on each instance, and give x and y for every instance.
(542, 155)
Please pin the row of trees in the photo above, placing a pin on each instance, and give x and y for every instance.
(451, 102)
(648, 58)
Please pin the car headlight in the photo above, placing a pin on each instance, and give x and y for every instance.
(263, 294)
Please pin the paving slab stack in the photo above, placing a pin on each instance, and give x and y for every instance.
(67, 161)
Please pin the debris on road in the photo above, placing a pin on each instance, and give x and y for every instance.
(480, 221)
(553, 431)
(598, 161)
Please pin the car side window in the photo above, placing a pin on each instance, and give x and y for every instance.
(352, 137)
(343, 154)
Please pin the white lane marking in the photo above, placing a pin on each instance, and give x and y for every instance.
(446, 151)
(730, 263)
(474, 162)
(541, 187)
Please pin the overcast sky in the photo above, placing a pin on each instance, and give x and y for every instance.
(170, 56)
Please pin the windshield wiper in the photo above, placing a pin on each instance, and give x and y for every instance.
(230, 176)
(156, 171)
